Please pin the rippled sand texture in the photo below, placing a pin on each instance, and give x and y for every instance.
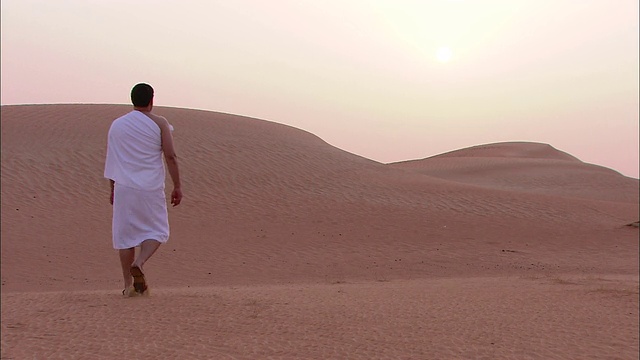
(286, 247)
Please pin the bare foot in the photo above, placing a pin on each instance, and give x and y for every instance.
(129, 292)
(139, 282)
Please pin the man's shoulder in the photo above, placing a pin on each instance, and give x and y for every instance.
(130, 118)
(157, 118)
(122, 118)
(160, 121)
(139, 120)
(129, 115)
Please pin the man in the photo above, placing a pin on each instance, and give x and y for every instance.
(135, 146)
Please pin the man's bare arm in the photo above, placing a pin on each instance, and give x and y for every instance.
(113, 183)
(170, 156)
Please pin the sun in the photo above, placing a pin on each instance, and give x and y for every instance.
(444, 54)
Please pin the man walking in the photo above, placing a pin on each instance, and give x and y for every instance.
(136, 143)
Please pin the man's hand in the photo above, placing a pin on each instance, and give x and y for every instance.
(176, 196)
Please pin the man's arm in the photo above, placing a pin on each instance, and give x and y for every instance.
(170, 157)
(113, 183)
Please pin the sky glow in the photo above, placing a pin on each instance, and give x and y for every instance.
(368, 76)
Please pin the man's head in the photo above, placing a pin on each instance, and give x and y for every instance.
(142, 95)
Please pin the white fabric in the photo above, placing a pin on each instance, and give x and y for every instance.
(134, 153)
(134, 162)
(139, 215)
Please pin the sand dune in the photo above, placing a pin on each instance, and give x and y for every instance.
(528, 167)
(272, 210)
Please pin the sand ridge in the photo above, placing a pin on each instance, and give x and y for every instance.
(271, 209)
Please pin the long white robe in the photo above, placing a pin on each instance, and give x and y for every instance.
(134, 161)
(138, 215)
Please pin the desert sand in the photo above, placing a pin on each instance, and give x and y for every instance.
(286, 247)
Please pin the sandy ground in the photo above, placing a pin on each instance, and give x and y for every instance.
(288, 248)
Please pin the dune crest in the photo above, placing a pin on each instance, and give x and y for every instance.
(520, 149)
(527, 167)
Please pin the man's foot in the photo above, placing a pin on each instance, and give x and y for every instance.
(129, 292)
(139, 282)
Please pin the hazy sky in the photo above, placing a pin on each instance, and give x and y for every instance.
(389, 80)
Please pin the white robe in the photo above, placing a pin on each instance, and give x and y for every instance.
(134, 152)
(134, 161)
(138, 215)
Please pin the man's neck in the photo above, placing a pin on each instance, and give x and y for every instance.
(145, 110)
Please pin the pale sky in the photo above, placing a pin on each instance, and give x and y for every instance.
(389, 80)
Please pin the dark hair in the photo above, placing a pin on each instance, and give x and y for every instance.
(141, 95)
